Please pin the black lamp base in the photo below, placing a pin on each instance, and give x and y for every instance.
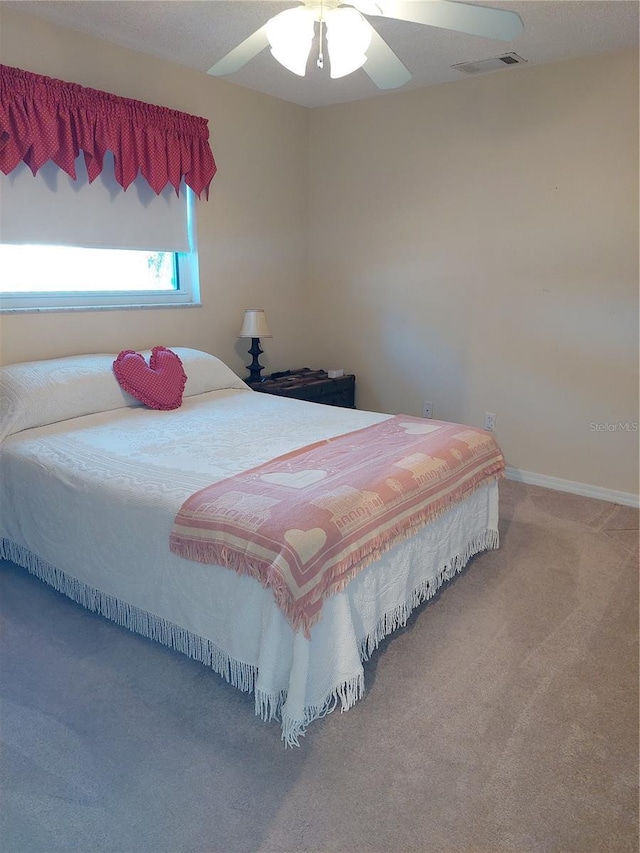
(255, 367)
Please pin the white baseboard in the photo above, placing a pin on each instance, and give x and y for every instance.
(584, 489)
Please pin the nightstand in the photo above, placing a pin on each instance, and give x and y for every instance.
(312, 385)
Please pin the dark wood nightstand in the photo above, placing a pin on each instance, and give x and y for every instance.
(312, 385)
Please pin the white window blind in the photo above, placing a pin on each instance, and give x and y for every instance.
(51, 208)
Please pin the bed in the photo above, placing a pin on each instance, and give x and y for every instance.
(91, 482)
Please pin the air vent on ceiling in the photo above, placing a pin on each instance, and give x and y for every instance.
(493, 64)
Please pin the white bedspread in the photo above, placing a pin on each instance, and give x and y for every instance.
(88, 505)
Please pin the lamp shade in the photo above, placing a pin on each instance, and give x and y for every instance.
(254, 324)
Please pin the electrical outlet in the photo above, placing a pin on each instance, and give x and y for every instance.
(489, 421)
(427, 409)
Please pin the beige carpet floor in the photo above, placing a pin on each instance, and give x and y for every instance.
(504, 717)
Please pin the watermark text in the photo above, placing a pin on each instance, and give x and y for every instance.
(618, 426)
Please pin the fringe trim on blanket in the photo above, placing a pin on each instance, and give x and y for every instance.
(399, 616)
(237, 673)
(272, 707)
(268, 706)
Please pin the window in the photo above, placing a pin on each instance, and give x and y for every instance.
(72, 244)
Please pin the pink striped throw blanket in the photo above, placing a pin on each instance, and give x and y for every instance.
(304, 524)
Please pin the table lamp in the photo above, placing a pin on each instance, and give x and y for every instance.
(254, 326)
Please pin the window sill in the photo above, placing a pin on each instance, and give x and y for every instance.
(60, 308)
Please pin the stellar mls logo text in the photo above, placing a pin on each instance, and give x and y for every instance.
(620, 426)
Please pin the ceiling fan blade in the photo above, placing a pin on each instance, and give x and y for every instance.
(241, 54)
(463, 17)
(365, 7)
(383, 66)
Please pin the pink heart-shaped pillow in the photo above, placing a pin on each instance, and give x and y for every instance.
(158, 384)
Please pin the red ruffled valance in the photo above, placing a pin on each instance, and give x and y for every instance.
(44, 119)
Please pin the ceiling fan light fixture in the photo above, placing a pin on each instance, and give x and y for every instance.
(353, 43)
(348, 38)
(290, 35)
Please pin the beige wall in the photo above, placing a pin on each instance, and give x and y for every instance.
(251, 233)
(476, 244)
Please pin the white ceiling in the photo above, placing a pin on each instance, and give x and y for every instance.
(197, 33)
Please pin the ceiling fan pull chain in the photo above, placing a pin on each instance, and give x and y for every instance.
(320, 62)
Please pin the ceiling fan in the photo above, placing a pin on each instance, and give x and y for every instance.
(353, 43)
